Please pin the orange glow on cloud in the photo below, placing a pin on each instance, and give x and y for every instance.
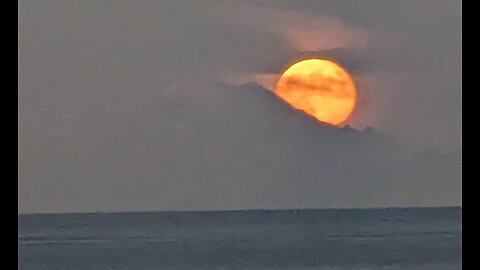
(320, 88)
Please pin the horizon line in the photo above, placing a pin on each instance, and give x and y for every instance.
(236, 210)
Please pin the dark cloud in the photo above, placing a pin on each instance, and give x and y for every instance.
(318, 83)
(239, 148)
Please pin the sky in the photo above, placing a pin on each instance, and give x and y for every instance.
(168, 105)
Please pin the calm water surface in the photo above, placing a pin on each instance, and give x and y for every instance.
(413, 238)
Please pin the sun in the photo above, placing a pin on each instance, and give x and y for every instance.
(320, 88)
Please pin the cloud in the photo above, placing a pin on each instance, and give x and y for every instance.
(318, 83)
(267, 81)
(238, 147)
(301, 31)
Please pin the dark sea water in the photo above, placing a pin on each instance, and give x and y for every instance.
(412, 238)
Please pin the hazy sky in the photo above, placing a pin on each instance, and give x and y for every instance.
(167, 105)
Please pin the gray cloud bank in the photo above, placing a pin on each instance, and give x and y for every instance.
(240, 148)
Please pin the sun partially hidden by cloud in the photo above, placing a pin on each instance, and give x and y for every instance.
(301, 33)
(320, 88)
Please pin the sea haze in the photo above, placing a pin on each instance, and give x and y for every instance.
(389, 238)
(167, 105)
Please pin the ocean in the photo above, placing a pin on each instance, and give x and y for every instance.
(390, 238)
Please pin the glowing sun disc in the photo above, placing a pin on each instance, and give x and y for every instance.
(320, 88)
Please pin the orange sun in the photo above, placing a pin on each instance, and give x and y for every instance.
(320, 88)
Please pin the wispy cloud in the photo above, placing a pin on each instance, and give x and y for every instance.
(302, 31)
